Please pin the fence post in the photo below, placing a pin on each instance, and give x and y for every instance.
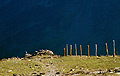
(67, 49)
(64, 51)
(80, 50)
(70, 50)
(95, 49)
(75, 49)
(106, 48)
(88, 49)
(113, 48)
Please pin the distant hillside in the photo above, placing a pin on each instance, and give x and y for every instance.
(51, 24)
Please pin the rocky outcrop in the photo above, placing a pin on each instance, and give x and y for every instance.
(43, 52)
(27, 55)
(40, 52)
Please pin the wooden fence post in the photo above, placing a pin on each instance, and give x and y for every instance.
(75, 49)
(113, 48)
(64, 51)
(80, 50)
(95, 49)
(70, 50)
(106, 49)
(88, 49)
(67, 49)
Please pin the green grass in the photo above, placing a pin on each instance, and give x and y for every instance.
(63, 64)
(90, 63)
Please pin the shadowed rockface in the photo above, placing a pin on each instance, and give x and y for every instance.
(51, 24)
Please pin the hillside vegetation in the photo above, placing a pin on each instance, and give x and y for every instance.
(55, 65)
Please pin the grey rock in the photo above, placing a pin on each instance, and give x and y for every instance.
(43, 52)
(96, 72)
(72, 69)
(27, 55)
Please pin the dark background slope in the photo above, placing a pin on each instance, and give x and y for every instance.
(29, 25)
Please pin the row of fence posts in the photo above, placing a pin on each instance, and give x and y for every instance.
(66, 50)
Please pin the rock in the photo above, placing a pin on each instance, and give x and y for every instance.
(9, 71)
(27, 55)
(111, 72)
(43, 52)
(96, 72)
(118, 73)
(32, 68)
(76, 66)
(29, 60)
(81, 68)
(35, 53)
(102, 72)
(72, 70)
(117, 67)
(49, 52)
(34, 73)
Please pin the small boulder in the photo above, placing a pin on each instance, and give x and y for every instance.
(9, 71)
(27, 55)
(49, 52)
(72, 70)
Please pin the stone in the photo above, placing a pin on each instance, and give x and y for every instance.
(29, 60)
(81, 68)
(35, 53)
(27, 55)
(96, 72)
(117, 67)
(9, 71)
(111, 72)
(43, 52)
(76, 66)
(118, 73)
(72, 70)
(49, 52)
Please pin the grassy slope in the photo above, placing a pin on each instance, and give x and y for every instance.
(90, 63)
(62, 64)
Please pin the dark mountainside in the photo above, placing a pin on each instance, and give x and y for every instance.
(29, 25)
